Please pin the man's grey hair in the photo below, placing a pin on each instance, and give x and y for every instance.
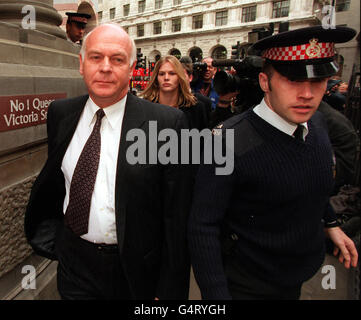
(133, 55)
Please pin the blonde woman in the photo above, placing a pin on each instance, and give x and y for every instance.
(169, 85)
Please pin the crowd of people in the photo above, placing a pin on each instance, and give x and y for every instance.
(132, 231)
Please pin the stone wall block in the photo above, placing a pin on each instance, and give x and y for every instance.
(13, 245)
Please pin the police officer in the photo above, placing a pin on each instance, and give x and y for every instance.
(75, 26)
(259, 232)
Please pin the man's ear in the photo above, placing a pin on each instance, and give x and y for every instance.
(263, 82)
(80, 64)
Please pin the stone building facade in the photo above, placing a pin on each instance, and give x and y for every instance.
(204, 27)
(201, 28)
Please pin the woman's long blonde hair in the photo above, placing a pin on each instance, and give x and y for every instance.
(185, 96)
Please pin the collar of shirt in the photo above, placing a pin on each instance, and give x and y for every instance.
(267, 114)
(113, 113)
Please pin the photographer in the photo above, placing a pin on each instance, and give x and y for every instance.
(225, 108)
(238, 89)
(204, 83)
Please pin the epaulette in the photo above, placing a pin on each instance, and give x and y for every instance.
(229, 123)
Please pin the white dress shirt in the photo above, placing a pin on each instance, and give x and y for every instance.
(267, 114)
(102, 227)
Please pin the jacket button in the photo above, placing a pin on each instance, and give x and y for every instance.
(234, 237)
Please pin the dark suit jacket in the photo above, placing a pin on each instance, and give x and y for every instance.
(345, 142)
(207, 105)
(151, 201)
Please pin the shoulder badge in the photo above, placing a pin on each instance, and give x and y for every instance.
(217, 130)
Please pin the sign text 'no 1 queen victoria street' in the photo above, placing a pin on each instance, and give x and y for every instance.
(25, 111)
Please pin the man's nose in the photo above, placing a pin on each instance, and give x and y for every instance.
(105, 65)
(306, 91)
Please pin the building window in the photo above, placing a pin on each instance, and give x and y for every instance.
(157, 27)
(177, 2)
(249, 14)
(176, 25)
(140, 30)
(342, 5)
(221, 18)
(197, 22)
(100, 15)
(112, 13)
(141, 6)
(158, 4)
(126, 9)
(281, 9)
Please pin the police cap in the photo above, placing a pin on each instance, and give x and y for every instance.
(305, 53)
(80, 18)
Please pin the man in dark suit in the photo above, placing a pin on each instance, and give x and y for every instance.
(134, 243)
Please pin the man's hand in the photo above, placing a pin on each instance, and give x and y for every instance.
(344, 247)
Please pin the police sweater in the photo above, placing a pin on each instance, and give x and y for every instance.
(272, 204)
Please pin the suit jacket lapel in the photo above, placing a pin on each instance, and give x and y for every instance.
(66, 129)
(134, 117)
(68, 124)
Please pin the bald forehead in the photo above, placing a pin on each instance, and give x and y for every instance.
(207, 60)
(111, 32)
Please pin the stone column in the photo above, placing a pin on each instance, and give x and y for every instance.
(47, 20)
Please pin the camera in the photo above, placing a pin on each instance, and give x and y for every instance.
(199, 69)
(244, 81)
